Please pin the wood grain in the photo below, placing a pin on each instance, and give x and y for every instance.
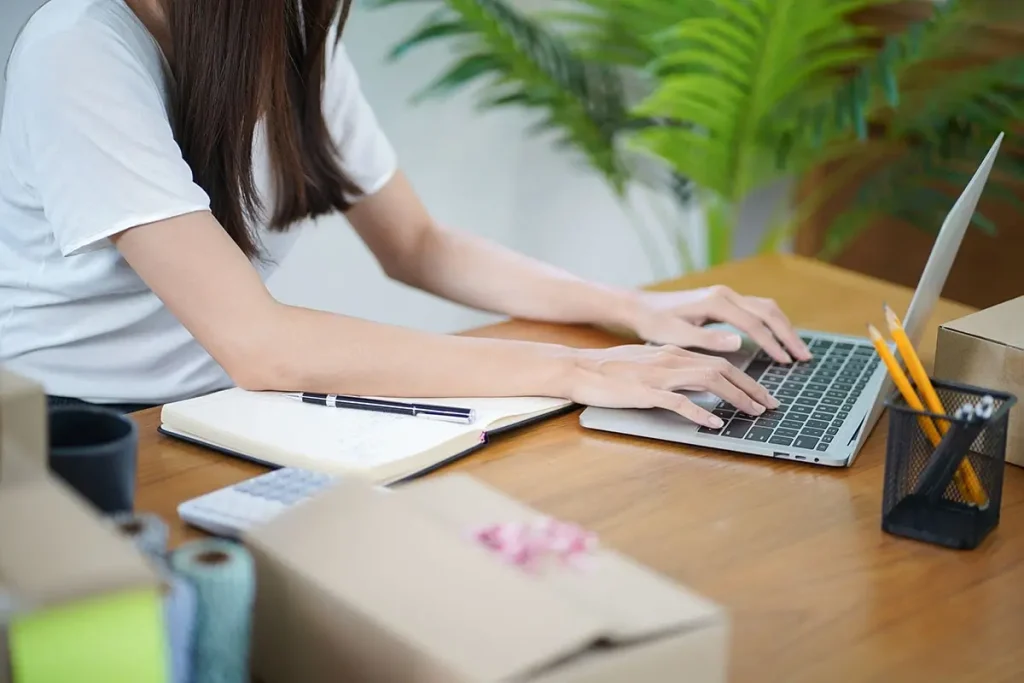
(795, 552)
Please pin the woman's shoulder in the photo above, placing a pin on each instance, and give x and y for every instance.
(89, 37)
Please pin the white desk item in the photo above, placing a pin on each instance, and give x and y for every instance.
(232, 510)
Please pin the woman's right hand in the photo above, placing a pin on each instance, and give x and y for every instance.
(643, 376)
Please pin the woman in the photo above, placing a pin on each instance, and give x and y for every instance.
(154, 156)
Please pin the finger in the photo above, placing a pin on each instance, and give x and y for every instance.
(779, 324)
(729, 383)
(688, 335)
(721, 387)
(679, 404)
(726, 310)
(750, 386)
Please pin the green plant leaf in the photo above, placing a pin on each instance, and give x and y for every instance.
(429, 32)
(752, 80)
(466, 70)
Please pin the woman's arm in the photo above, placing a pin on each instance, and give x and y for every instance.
(205, 280)
(209, 285)
(413, 249)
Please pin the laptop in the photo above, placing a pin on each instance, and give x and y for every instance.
(829, 405)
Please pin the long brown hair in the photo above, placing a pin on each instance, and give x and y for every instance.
(239, 61)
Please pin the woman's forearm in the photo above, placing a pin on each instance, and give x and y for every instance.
(191, 263)
(413, 249)
(308, 350)
(478, 273)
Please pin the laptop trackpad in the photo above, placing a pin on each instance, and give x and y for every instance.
(740, 358)
(704, 399)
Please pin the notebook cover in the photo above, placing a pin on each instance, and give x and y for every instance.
(558, 412)
(275, 466)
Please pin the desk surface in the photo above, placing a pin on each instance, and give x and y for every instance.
(794, 552)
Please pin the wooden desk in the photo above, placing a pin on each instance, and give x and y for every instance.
(817, 592)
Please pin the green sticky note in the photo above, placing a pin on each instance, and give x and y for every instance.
(115, 637)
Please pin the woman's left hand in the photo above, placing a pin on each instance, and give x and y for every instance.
(677, 318)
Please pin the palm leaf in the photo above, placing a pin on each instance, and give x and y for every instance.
(516, 61)
(624, 32)
(733, 79)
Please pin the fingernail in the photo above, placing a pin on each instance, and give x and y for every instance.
(773, 402)
(733, 340)
(715, 422)
(758, 409)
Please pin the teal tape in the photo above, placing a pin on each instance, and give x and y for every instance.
(223, 577)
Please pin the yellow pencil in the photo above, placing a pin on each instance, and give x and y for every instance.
(966, 471)
(899, 378)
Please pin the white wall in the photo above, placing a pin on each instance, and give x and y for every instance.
(13, 15)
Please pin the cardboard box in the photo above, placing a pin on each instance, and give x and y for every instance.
(367, 584)
(23, 438)
(986, 349)
(53, 548)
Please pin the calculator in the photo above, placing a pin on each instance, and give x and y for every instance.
(232, 510)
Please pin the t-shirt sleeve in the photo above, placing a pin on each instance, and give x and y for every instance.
(366, 154)
(100, 143)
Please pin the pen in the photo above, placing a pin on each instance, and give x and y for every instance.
(952, 452)
(434, 412)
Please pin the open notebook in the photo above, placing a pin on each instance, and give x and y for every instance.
(279, 431)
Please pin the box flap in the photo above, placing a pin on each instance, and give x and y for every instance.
(437, 592)
(630, 600)
(55, 548)
(22, 429)
(1003, 323)
(404, 559)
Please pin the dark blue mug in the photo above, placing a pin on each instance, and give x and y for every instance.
(95, 450)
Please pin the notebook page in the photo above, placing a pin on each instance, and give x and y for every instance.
(271, 423)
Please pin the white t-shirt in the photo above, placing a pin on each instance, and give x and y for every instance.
(86, 151)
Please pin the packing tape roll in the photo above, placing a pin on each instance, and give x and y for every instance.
(180, 617)
(223, 575)
(147, 531)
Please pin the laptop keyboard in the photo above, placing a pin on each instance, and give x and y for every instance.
(815, 397)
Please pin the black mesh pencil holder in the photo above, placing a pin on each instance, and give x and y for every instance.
(948, 494)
